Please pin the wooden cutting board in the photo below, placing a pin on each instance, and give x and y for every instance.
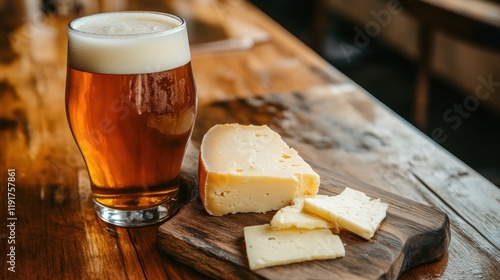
(412, 234)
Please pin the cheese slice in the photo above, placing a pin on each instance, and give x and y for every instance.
(247, 168)
(294, 216)
(267, 247)
(352, 210)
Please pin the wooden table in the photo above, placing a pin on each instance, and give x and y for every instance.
(58, 236)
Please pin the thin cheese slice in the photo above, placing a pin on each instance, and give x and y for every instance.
(267, 247)
(352, 210)
(247, 168)
(294, 216)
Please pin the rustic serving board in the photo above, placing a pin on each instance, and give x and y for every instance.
(412, 234)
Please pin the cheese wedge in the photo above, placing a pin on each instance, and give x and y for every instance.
(352, 210)
(294, 216)
(267, 247)
(246, 168)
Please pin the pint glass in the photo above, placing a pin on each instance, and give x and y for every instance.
(131, 106)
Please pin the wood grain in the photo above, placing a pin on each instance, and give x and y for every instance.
(412, 233)
(59, 235)
(350, 134)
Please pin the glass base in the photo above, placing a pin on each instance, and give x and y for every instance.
(137, 218)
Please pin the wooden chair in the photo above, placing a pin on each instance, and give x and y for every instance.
(474, 21)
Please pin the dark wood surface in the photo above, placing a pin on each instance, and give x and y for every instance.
(57, 234)
(412, 234)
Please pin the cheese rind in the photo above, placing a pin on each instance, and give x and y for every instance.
(247, 168)
(267, 247)
(352, 210)
(295, 216)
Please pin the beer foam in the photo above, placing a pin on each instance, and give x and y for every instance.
(127, 43)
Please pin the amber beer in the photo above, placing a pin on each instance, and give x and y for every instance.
(131, 105)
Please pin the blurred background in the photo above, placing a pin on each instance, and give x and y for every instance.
(376, 45)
